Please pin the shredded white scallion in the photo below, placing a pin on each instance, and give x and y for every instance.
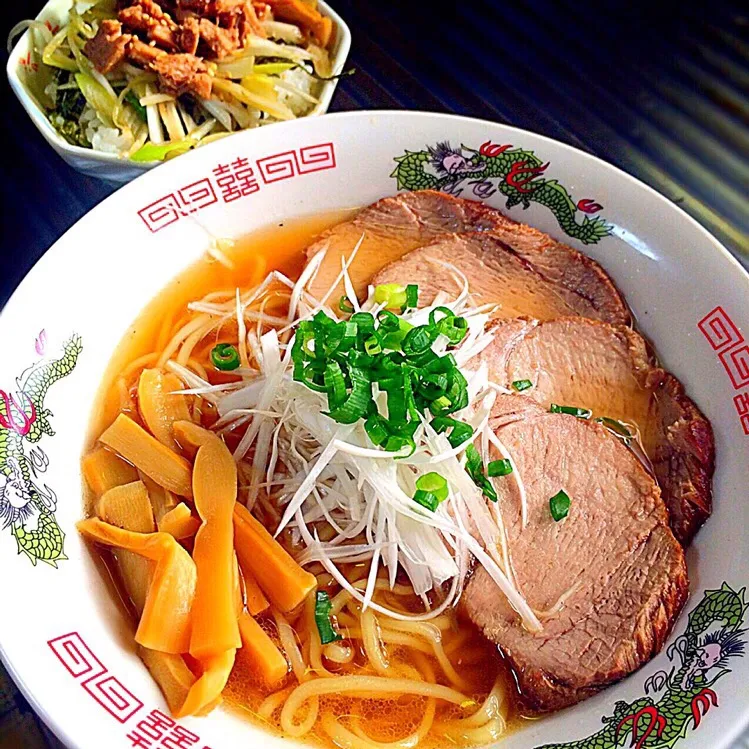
(320, 474)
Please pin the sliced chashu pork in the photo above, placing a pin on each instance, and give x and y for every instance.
(392, 227)
(496, 274)
(608, 581)
(607, 369)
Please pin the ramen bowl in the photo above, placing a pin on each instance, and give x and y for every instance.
(62, 636)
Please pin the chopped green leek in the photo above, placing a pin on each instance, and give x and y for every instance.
(619, 428)
(499, 468)
(475, 469)
(345, 358)
(392, 295)
(412, 296)
(344, 305)
(225, 357)
(520, 385)
(323, 621)
(581, 413)
(158, 152)
(426, 499)
(559, 505)
(434, 483)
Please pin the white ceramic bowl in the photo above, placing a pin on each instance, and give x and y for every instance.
(23, 67)
(61, 635)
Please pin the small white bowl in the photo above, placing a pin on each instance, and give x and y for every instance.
(22, 69)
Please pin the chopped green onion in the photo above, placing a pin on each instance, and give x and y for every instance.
(445, 312)
(373, 346)
(440, 406)
(159, 152)
(354, 407)
(520, 385)
(434, 483)
(559, 505)
(323, 621)
(344, 358)
(499, 468)
(581, 413)
(344, 305)
(418, 340)
(225, 357)
(459, 430)
(617, 427)
(313, 379)
(388, 320)
(426, 499)
(475, 469)
(455, 329)
(412, 296)
(376, 429)
(397, 442)
(432, 386)
(392, 295)
(335, 384)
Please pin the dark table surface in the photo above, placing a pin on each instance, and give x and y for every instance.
(661, 89)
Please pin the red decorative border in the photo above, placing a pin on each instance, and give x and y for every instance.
(736, 362)
(234, 180)
(78, 658)
(726, 339)
(156, 729)
(719, 329)
(277, 167)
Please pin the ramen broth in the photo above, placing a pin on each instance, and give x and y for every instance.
(383, 718)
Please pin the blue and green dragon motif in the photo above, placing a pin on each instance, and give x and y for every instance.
(27, 509)
(514, 172)
(701, 655)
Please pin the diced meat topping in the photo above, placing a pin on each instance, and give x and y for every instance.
(135, 19)
(248, 23)
(165, 37)
(144, 54)
(109, 47)
(182, 74)
(172, 36)
(221, 42)
(189, 35)
(227, 6)
(147, 17)
(155, 11)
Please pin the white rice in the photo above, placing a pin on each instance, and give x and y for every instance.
(103, 138)
(303, 82)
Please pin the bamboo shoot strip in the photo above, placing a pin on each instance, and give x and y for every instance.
(180, 522)
(215, 627)
(256, 601)
(266, 659)
(207, 689)
(103, 470)
(166, 621)
(160, 405)
(129, 507)
(282, 580)
(171, 674)
(145, 452)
